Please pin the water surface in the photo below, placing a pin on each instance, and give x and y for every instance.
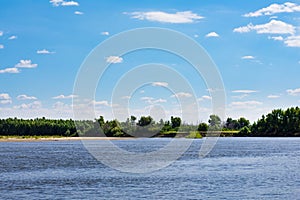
(237, 168)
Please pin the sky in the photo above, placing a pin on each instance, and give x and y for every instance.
(254, 44)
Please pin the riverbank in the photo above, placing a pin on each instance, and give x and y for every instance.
(55, 138)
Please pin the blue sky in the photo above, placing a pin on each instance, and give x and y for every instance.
(255, 45)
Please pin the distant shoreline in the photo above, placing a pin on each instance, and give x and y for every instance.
(39, 139)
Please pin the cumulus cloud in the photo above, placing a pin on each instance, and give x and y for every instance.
(61, 106)
(164, 17)
(151, 100)
(33, 105)
(293, 92)
(182, 94)
(25, 97)
(146, 98)
(273, 96)
(159, 101)
(248, 57)
(1, 46)
(292, 41)
(78, 13)
(244, 91)
(44, 51)
(212, 34)
(70, 3)
(114, 59)
(205, 97)
(100, 103)
(5, 98)
(57, 3)
(9, 101)
(64, 96)
(13, 37)
(1, 33)
(246, 104)
(276, 38)
(287, 7)
(105, 33)
(160, 84)
(126, 97)
(26, 64)
(273, 27)
(12, 70)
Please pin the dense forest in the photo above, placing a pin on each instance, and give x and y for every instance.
(278, 123)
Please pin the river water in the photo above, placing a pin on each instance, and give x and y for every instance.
(237, 168)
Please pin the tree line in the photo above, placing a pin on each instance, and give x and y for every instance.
(277, 123)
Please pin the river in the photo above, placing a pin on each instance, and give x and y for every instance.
(236, 168)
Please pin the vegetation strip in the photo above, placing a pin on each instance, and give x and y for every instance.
(278, 123)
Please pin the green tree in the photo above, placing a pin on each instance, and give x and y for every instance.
(203, 127)
(176, 122)
(145, 121)
(214, 122)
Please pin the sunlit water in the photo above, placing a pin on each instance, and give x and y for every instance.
(237, 168)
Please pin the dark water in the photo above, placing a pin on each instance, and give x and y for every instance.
(237, 168)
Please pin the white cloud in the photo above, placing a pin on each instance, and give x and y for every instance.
(44, 51)
(273, 96)
(248, 57)
(100, 103)
(126, 97)
(243, 29)
(56, 2)
(26, 64)
(212, 34)
(276, 38)
(151, 100)
(204, 97)
(61, 106)
(292, 41)
(275, 8)
(161, 84)
(105, 33)
(70, 3)
(241, 96)
(147, 98)
(1, 46)
(182, 94)
(63, 3)
(12, 70)
(13, 37)
(5, 98)
(244, 91)
(196, 35)
(159, 101)
(6, 101)
(33, 105)
(78, 13)
(163, 17)
(25, 97)
(245, 104)
(1, 33)
(65, 97)
(294, 92)
(273, 27)
(114, 59)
